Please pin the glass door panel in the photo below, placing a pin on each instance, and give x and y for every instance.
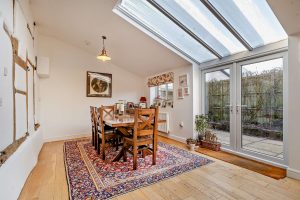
(261, 107)
(217, 103)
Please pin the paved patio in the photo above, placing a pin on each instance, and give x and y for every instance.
(258, 144)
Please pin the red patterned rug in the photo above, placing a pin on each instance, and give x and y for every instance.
(89, 177)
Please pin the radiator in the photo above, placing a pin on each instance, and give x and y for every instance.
(163, 127)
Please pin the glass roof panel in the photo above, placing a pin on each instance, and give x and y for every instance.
(253, 19)
(197, 18)
(166, 29)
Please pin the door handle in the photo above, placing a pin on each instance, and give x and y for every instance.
(230, 107)
(240, 106)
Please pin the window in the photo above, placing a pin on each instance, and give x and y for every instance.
(162, 93)
(200, 34)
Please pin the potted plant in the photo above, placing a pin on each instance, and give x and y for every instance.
(191, 142)
(201, 124)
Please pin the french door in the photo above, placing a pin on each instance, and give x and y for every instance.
(244, 103)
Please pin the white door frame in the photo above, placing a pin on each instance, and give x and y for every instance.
(238, 108)
(235, 117)
(232, 100)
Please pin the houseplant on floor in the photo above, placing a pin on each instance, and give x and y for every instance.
(191, 142)
(201, 124)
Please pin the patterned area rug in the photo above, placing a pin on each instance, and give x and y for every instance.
(91, 178)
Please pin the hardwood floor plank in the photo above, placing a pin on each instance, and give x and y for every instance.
(216, 181)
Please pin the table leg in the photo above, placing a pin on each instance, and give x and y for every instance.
(125, 133)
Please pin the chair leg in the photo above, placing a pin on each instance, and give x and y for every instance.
(103, 149)
(93, 138)
(117, 143)
(97, 144)
(124, 154)
(96, 140)
(134, 149)
(154, 153)
(143, 153)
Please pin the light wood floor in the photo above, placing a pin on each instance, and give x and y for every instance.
(217, 181)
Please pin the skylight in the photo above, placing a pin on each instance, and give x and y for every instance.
(204, 30)
(150, 18)
(253, 19)
(204, 24)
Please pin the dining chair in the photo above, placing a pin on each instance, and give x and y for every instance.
(105, 134)
(93, 122)
(144, 135)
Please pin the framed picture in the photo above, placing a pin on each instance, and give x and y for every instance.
(186, 91)
(183, 80)
(180, 93)
(130, 105)
(98, 84)
(143, 105)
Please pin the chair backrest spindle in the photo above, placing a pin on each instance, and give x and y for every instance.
(145, 122)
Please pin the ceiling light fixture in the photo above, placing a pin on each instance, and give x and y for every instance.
(103, 55)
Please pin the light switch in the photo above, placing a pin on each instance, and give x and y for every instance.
(5, 71)
(1, 102)
(181, 124)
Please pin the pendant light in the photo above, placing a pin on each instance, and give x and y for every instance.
(103, 55)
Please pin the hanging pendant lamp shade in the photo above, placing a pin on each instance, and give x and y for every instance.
(103, 55)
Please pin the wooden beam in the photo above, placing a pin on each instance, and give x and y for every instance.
(20, 92)
(14, 43)
(8, 151)
(21, 62)
(30, 63)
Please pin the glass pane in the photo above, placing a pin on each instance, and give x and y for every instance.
(196, 17)
(253, 19)
(262, 107)
(153, 94)
(160, 24)
(162, 92)
(217, 101)
(170, 91)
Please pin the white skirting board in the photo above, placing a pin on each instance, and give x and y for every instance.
(68, 137)
(292, 173)
(14, 172)
(174, 137)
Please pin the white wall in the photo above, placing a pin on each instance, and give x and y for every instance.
(6, 90)
(14, 172)
(17, 168)
(293, 106)
(182, 110)
(64, 105)
(196, 95)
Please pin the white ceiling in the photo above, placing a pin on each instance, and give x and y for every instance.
(288, 13)
(81, 23)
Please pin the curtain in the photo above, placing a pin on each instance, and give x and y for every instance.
(161, 79)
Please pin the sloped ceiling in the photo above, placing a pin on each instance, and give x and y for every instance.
(288, 13)
(81, 23)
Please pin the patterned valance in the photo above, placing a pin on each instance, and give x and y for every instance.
(161, 79)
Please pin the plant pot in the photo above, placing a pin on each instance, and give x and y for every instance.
(215, 146)
(199, 143)
(192, 147)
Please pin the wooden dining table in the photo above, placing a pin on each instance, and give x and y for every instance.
(124, 124)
